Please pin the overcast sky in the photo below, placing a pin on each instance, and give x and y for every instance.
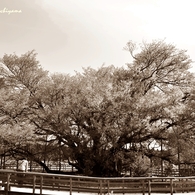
(71, 34)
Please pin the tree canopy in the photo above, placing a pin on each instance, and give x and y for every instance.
(103, 120)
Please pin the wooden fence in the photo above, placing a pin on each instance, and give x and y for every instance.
(37, 168)
(38, 183)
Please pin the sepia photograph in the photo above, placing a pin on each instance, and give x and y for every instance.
(97, 97)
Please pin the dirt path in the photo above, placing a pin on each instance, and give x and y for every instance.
(48, 192)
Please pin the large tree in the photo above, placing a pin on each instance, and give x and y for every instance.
(102, 120)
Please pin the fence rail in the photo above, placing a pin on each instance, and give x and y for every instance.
(36, 168)
(39, 182)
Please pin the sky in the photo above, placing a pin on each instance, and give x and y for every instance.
(69, 35)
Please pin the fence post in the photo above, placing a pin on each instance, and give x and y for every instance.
(182, 185)
(108, 186)
(149, 187)
(34, 183)
(100, 187)
(171, 186)
(7, 186)
(123, 186)
(143, 187)
(41, 184)
(70, 186)
(79, 184)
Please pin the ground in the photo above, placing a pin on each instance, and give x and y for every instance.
(76, 193)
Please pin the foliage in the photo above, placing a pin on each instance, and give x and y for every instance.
(101, 119)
